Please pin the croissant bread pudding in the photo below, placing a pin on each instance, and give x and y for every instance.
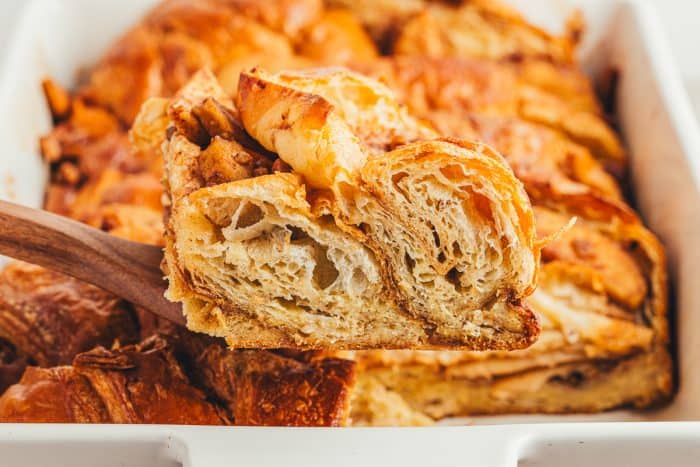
(601, 301)
(308, 205)
(358, 245)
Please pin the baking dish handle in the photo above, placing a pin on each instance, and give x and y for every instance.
(353, 447)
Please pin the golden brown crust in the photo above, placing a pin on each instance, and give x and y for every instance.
(277, 391)
(338, 38)
(381, 18)
(177, 38)
(285, 16)
(480, 29)
(273, 388)
(450, 92)
(134, 384)
(49, 317)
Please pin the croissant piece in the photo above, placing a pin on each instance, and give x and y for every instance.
(430, 194)
(140, 383)
(274, 390)
(261, 387)
(587, 386)
(381, 18)
(480, 29)
(450, 91)
(324, 122)
(49, 317)
(177, 38)
(398, 248)
(338, 38)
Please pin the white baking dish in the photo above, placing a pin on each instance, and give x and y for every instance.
(56, 38)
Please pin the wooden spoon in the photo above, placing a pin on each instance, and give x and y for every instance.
(127, 269)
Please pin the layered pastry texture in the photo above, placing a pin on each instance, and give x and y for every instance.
(472, 70)
(601, 299)
(369, 236)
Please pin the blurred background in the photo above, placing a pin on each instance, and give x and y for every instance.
(678, 17)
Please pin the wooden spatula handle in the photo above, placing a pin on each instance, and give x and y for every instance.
(127, 269)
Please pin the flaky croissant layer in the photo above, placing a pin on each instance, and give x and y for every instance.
(381, 235)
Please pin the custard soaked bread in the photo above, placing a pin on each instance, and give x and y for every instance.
(375, 237)
(601, 300)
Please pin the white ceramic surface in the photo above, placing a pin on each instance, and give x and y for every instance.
(57, 37)
(544, 445)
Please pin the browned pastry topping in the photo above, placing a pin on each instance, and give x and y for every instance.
(50, 317)
(460, 96)
(130, 221)
(140, 383)
(383, 19)
(199, 19)
(480, 29)
(621, 276)
(260, 387)
(543, 159)
(268, 389)
(177, 38)
(337, 37)
(12, 365)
